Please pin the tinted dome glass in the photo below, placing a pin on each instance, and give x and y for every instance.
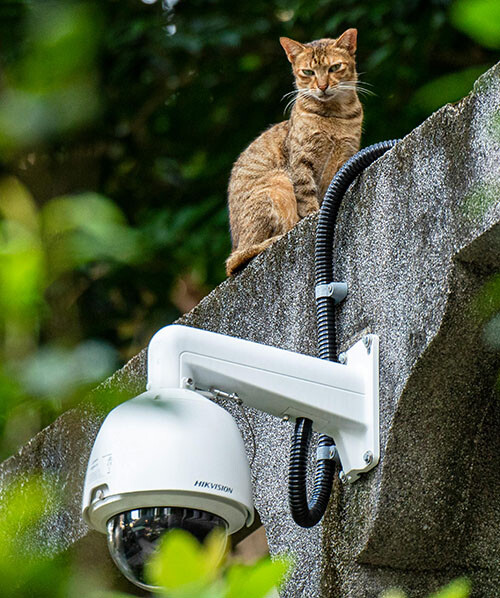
(133, 535)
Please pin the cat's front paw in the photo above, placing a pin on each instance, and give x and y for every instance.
(307, 211)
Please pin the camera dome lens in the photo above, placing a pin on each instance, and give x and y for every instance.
(134, 535)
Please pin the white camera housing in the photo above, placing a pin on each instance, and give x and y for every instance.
(168, 447)
(172, 447)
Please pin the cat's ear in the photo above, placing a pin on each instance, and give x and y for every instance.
(348, 41)
(291, 47)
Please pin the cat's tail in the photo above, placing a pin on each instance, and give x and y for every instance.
(239, 258)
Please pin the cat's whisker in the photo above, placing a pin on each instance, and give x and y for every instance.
(359, 81)
(293, 100)
(291, 93)
(356, 86)
(296, 93)
(364, 87)
(364, 91)
(290, 103)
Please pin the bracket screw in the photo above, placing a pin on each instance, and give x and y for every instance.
(343, 358)
(188, 383)
(367, 342)
(368, 457)
(343, 477)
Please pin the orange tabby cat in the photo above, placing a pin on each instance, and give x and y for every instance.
(283, 175)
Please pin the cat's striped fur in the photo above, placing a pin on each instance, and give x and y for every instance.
(283, 175)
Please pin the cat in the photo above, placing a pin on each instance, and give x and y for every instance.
(283, 174)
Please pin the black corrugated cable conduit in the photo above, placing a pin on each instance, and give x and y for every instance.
(308, 513)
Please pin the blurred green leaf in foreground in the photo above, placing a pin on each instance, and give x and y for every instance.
(480, 19)
(182, 568)
(26, 566)
(449, 88)
(45, 365)
(459, 588)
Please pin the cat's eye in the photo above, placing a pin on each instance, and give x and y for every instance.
(308, 72)
(335, 67)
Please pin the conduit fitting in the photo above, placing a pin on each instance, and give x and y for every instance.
(336, 290)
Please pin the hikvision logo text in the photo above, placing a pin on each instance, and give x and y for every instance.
(213, 486)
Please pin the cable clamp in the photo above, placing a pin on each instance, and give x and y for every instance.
(336, 290)
(327, 452)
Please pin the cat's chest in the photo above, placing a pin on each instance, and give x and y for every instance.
(315, 148)
(315, 139)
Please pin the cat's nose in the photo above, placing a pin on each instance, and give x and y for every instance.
(322, 86)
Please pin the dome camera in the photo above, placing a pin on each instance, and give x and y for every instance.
(173, 458)
(134, 535)
(163, 460)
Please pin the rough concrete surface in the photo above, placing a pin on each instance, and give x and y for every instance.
(418, 236)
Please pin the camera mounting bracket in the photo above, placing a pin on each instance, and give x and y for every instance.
(341, 399)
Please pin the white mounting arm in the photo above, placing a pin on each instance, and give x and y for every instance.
(340, 398)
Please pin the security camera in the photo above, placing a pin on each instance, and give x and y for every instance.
(173, 458)
(169, 458)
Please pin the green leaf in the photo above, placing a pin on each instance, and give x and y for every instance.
(179, 561)
(22, 272)
(479, 19)
(449, 88)
(459, 588)
(25, 502)
(28, 505)
(487, 304)
(256, 581)
(250, 62)
(105, 594)
(17, 204)
(84, 228)
(182, 563)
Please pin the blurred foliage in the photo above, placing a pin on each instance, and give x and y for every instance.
(448, 88)
(180, 568)
(51, 87)
(46, 362)
(480, 19)
(459, 588)
(183, 568)
(24, 568)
